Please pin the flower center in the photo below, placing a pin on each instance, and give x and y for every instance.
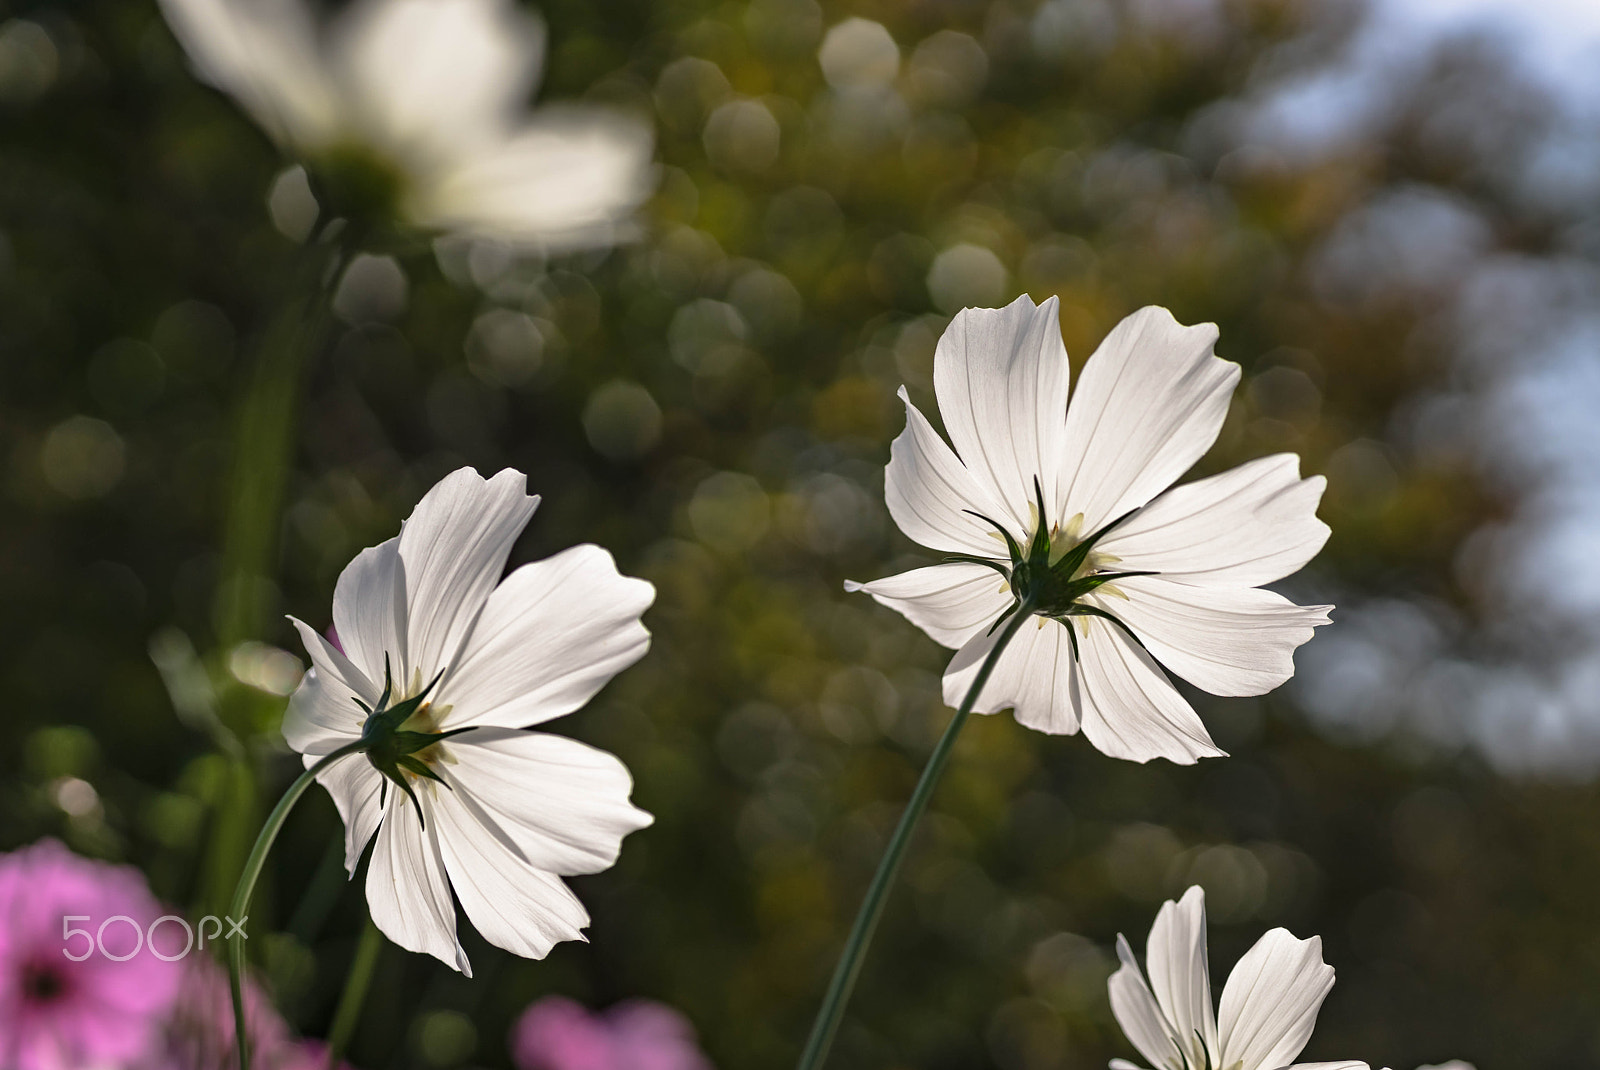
(402, 739)
(356, 182)
(1053, 573)
(42, 983)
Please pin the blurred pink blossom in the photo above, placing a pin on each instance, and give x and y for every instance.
(56, 1014)
(556, 1033)
(198, 1035)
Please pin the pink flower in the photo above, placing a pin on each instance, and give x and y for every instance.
(57, 1014)
(557, 1034)
(198, 1035)
(307, 1055)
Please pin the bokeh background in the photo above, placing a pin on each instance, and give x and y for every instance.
(1397, 233)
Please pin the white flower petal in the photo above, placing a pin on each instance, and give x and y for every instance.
(264, 54)
(356, 790)
(567, 180)
(1001, 376)
(1150, 402)
(454, 549)
(560, 805)
(322, 714)
(949, 602)
(1123, 1064)
(1139, 1015)
(1131, 710)
(1225, 640)
(549, 637)
(439, 77)
(369, 611)
(1035, 676)
(1180, 975)
(1270, 1003)
(928, 491)
(515, 906)
(407, 892)
(1250, 525)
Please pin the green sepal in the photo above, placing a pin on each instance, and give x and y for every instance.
(1074, 558)
(1082, 609)
(1039, 550)
(1085, 584)
(1011, 543)
(974, 559)
(420, 768)
(392, 749)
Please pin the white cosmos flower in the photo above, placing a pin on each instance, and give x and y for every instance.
(1269, 1005)
(1150, 402)
(427, 96)
(495, 812)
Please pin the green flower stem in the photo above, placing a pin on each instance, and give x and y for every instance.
(264, 435)
(239, 910)
(844, 974)
(356, 983)
(262, 450)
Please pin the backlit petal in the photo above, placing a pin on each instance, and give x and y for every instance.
(1225, 640)
(550, 636)
(949, 602)
(1001, 376)
(438, 77)
(1131, 710)
(568, 179)
(1180, 975)
(356, 790)
(263, 53)
(322, 714)
(559, 805)
(1035, 676)
(929, 493)
(1270, 1003)
(1149, 404)
(515, 906)
(1137, 1012)
(454, 549)
(407, 892)
(369, 610)
(1250, 525)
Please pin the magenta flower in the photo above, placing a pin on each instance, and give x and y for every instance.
(57, 1014)
(198, 1034)
(557, 1034)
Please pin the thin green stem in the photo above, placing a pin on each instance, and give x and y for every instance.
(263, 440)
(844, 974)
(264, 436)
(356, 983)
(238, 910)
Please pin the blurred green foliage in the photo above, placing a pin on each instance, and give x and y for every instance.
(714, 404)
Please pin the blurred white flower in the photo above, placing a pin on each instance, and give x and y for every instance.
(1067, 505)
(440, 670)
(1269, 1005)
(418, 107)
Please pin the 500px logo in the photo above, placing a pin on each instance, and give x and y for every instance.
(95, 941)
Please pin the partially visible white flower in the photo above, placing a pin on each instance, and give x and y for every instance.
(441, 670)
(1269, 1005)
(423, 102)
(1070, 506)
